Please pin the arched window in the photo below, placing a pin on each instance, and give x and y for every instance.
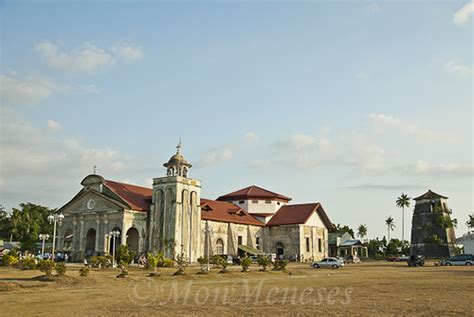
(219, 246)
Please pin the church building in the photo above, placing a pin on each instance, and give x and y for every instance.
(173, 217)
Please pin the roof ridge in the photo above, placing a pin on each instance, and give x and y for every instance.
(128, 184)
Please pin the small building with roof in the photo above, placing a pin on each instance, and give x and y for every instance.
(172, 217)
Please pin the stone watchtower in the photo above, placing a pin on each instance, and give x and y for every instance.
(175, 213)
(432, 232)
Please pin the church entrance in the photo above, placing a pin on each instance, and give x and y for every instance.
(280, 250)
(132, 240)
(90, 242)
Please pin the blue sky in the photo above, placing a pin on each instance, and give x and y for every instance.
(347, 103)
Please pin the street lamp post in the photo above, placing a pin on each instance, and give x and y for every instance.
(55, 218)
(114, 234)
(43, 237)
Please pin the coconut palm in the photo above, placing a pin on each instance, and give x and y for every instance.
(402, 202)
(362, 231)
(470, 222)
(390, 226)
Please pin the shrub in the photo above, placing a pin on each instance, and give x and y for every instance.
(27, 263)
(245, 262)
(264, 262)
(215, 259)
(168, 263)
(94, 262)
(60, 268)
(46, 266)
(203, 263)
(181, 262)
(84, 271)
(11, 258)
(223, 263)
(124, 258)
(280, 265)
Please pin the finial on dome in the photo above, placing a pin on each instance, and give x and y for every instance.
(177, 164)
(178, 147)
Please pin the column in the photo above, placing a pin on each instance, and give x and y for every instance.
(75, 235)
(105, 221)
(81, 235)
(97, 234)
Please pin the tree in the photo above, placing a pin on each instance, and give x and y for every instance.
(390, 226)
(343, 229)
(4, 223)
(402, 202)
(124, 258)
(362, 231)
(28, 222)
(470, 222)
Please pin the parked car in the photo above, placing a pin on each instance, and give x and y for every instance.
(416, 260)
(334, 263)
(352, 259)
(463, 259)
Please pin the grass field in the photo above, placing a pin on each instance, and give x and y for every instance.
(362, 289)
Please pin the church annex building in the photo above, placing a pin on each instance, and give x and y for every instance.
(248, 219)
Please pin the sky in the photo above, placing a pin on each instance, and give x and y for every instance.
(342, 102)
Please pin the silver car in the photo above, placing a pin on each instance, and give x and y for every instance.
(334, 263)
(463, 259)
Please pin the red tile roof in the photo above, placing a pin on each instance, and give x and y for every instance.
(299, 214)
(139, 198)
(226, 212)
(253, 192)
(430, 195)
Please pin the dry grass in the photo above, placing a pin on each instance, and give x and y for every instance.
(369, 289)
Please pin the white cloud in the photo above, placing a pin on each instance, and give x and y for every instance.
(374, 7)
(87, 58)
(54, 126)
(215, 156)
(462, 15)
(457, 68)
(128, 52)
(47, 167)
(25, 91)
(408, 128)
(439, 170)
(250, 137)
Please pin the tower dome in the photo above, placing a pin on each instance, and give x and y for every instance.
(177, 164)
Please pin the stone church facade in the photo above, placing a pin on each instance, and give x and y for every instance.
(173, 217)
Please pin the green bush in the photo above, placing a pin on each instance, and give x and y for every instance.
(264, 262)
(280, 265)
(223, 264)
(46, 266)
(60, 268)
(84, 271)
(246, 262)
(10, 259)
(168, 263)
(27, 263)
(94, 262)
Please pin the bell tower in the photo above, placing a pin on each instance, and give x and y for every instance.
(175, 219)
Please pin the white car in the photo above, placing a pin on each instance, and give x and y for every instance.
(334, 263)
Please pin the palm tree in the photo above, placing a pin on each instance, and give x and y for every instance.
(362, 231)
(390, 226)
(402, 202)
(470, 222)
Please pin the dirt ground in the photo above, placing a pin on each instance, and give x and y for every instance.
(369, 289)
